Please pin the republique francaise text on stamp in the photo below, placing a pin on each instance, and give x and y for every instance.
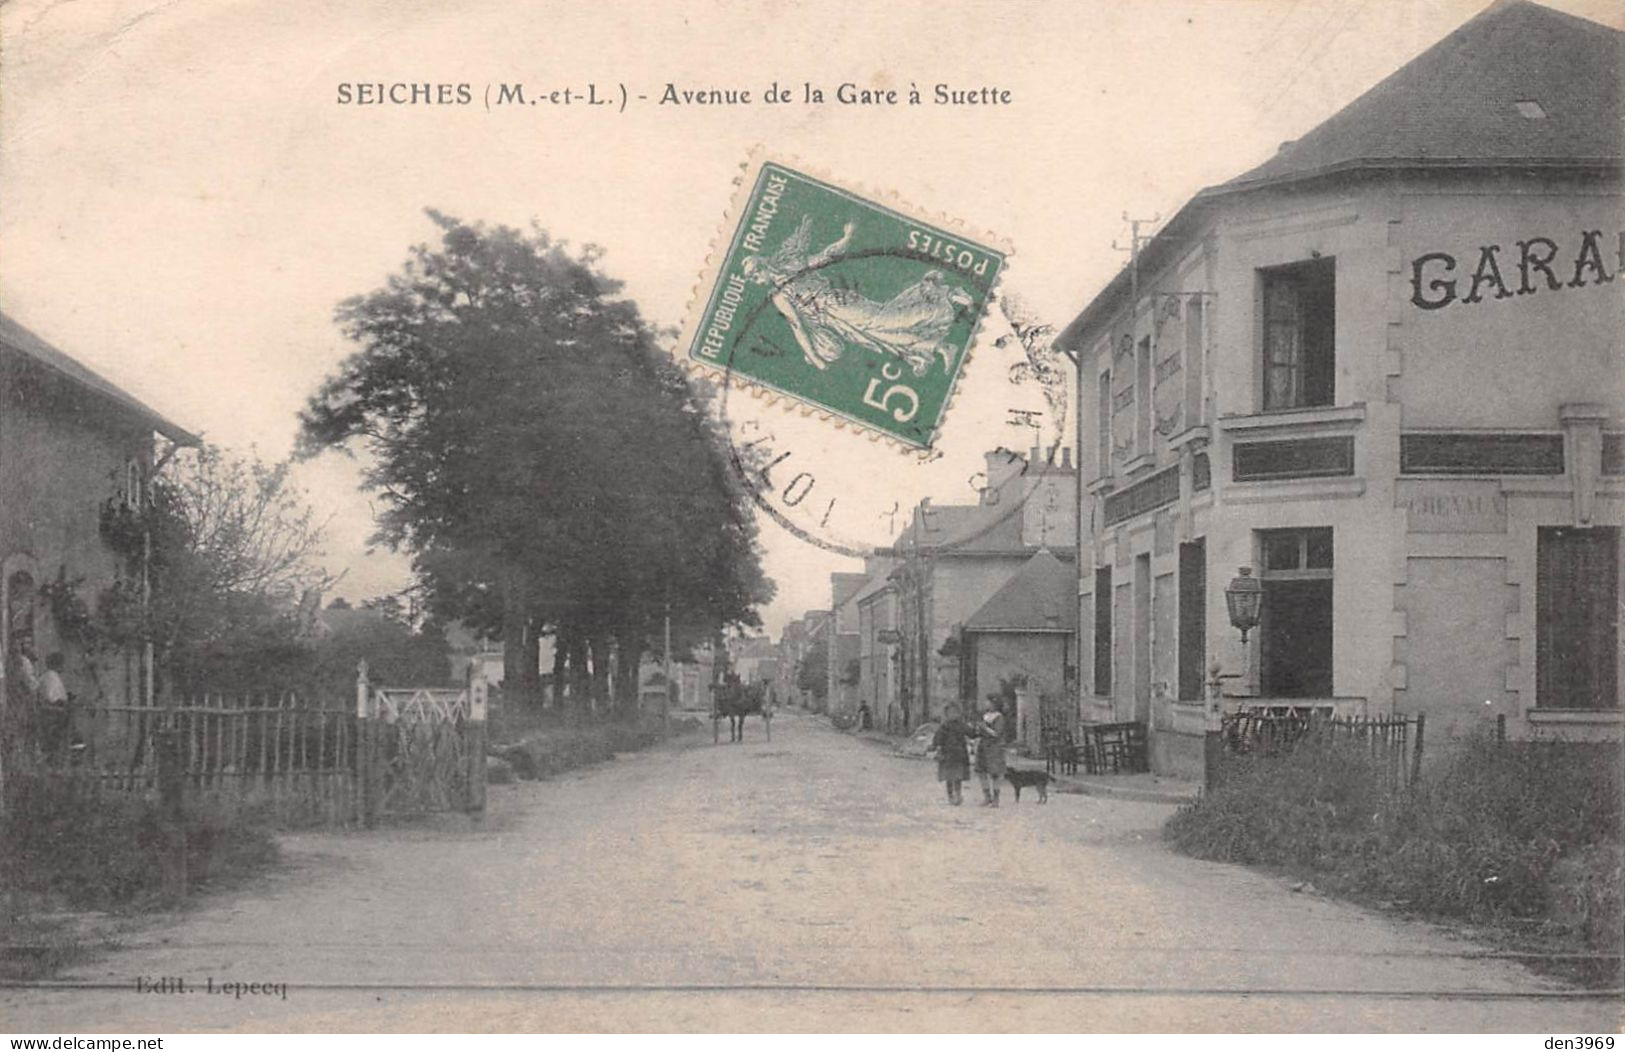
(845, 304)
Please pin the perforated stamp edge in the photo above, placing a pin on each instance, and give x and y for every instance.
(744, 182)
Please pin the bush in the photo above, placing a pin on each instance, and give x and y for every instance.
(1498, 831)
(69, 848)
(544, 753)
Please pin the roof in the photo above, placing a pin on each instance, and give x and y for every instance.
(20, 340)
(994, 525)
(877, 583)
(1451, 107)
(1041, 597)
(1456, 102)
(843, 586)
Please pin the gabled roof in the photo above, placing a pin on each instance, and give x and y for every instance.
(16, 338)
(878, 582)
(843, 586)
(1453, 106)
(1041, 597)
(1457, 102)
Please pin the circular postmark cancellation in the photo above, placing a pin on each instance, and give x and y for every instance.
(849, 324)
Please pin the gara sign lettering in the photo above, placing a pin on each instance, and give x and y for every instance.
(1539, 264)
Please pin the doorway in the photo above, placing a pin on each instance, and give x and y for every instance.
(1142, 638)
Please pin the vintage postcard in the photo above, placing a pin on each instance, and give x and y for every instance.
(935, 517)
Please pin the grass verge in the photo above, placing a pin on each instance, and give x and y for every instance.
(72, 862)
(1521, 840)
(536, 746)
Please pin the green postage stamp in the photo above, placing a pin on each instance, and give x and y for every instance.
(842, 303)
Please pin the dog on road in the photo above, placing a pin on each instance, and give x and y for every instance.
(1020, 780)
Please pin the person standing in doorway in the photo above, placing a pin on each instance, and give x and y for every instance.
(55, 721)
(990, 753)
(953, 757)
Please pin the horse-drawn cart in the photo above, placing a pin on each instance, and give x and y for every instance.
(734, 701)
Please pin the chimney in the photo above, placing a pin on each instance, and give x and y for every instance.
(1036, 457)
(1002, 466)
(1066, 459)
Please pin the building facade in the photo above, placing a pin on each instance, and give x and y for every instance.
(71, 444)
(843, 666)
(951, 558)
(1382, 374)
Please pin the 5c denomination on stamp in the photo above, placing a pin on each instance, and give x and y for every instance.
(842, 303)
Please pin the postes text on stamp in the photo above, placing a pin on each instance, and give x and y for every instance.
(842, 303)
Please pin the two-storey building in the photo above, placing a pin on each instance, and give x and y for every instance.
(1382, 373)
(71, 444)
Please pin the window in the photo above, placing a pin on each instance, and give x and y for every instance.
(1142, 397)
(1577, 618)
(1192, 619)
(1299, 325)
(1103, 631)
(132, 484)
(1104, 467)
(1296, 623)
(1194, 336)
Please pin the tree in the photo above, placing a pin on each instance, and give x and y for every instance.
(397, 652)
(219, 573)
(812, 674)
(546, 465)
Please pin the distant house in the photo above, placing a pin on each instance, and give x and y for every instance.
(878, 644)
(1026, 632)
(70, 443)
(471, 652)
(842, 654)
(952, 557)
(794, 642)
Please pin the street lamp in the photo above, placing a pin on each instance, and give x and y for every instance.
(1245, 599)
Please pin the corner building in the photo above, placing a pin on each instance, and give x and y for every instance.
(1383, 371)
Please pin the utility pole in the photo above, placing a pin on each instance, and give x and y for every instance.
(1133, 250)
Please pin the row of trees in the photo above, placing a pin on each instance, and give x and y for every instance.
(546, 466)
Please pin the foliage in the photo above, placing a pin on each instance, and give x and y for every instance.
(215, 563)
(397, 654)
(535, 750)
(545, 464)
(1497, 831)
(812, 674)
(71, 848)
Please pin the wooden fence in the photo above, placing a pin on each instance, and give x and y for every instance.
(1395, 743)
(276, 754)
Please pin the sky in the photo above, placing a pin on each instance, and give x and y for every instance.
(184, 199)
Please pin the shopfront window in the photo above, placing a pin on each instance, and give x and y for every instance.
(1296, 636)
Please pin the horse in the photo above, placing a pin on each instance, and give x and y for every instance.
(736, 701)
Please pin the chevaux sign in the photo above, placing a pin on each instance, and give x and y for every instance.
(1539, 264)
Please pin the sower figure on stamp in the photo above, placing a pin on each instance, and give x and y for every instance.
(953, 756)
(990, 753)
(825, 319)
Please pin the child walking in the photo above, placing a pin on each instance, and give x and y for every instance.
(953, 759)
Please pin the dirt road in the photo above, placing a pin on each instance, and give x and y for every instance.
(811, 883)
